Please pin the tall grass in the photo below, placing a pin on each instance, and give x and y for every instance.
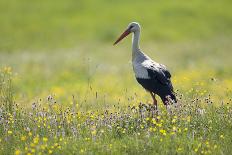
(194, 126)
(6, 90)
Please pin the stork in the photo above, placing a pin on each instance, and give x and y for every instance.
(154, 77)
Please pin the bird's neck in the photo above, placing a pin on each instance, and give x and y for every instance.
(135, 45)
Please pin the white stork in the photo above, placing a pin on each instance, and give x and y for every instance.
(154, 77)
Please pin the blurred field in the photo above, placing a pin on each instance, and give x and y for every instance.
(64, 48)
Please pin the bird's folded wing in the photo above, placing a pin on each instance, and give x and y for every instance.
(160, 74)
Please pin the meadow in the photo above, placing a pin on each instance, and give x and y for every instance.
(65, 89)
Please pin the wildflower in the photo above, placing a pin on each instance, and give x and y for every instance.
(94, 132)
(81, 151)
(172, 133)
(7, 70)
(17, 152)
(174, 120)
(43, 147)
(215, 146)
(188, 119)
(30, 134)
(45, 139)
(174, 128)
(23, 138)
(50, 151)
(9, 132)
(222, 136)
(33, 150)
(36, 140)
(162, 131)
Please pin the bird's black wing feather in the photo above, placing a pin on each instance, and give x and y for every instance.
(161, 74)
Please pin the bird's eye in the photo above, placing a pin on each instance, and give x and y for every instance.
(131, 27)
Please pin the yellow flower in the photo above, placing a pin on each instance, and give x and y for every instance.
(174, 128)
(23, 138)
(7, 70)
(45, 139)
(50, 151)
(188, 119)
(17, 152)
(33, 150)
(215, 146)
(163, 132)
(94, 132)
(174, 120)
(222, 136)
(30, 134)
(9, 132)
(81, 151)
(36, 140)
(43, 147)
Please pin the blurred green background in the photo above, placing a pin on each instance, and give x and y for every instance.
(64, 47)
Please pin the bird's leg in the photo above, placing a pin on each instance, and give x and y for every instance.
(154, 99)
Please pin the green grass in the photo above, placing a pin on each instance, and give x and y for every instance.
(52, 25)
(64, 49)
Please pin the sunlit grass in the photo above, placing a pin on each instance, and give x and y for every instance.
(197, 125)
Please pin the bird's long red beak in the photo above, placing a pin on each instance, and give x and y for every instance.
(123, 35)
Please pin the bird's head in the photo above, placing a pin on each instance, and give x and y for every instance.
(132, 27)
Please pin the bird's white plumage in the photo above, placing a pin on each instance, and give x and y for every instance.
(140, 71)
(140, 61)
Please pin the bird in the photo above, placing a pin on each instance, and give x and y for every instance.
(154, 77)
